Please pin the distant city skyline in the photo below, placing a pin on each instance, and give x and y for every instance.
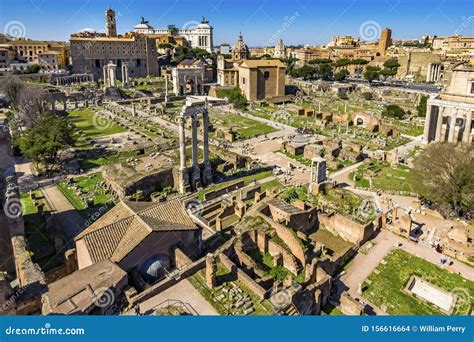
(262, 22)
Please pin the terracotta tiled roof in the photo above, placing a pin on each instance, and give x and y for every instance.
(136, 233)
(101, 243)
(120, 230)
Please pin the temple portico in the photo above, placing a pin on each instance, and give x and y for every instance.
(448, 121)
(449, 114)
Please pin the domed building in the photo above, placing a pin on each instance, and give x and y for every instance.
(240, 51)
(280, 50)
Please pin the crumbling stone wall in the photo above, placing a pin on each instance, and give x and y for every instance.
(289, 238)
(348, 229)
(349, 306)
(243, 277)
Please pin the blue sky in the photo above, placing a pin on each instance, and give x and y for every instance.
(297, 21)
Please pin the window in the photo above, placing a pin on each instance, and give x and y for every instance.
(266, 75)
(243, 80)
(472, 88)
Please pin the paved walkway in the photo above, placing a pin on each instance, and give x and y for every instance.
(364, 264)
(182, 292)
(66, 216)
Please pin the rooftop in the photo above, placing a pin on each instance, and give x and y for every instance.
(77, 292)
(126, 225)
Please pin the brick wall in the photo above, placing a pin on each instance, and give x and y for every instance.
(243, 277)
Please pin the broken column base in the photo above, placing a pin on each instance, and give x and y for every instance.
(184, 186)
(207, 174)
(196, 177)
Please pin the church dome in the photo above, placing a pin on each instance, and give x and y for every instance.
(154, 268)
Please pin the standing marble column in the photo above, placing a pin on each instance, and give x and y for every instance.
(426, 133)
(166, 89)
(106, 79)
(439, 123)
(467, 127)
(208, 178)
(183, 172)
(452, 125)
(196, 173)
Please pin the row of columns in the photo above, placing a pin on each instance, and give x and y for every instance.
(434, 72)
(453, 134)
(67, 80)
(196, 179)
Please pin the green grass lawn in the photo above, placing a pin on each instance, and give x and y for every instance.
(90, 186)
(93, 127)
(387, 286)
(387, 179)
(407, 128)
(333, 242)
(37, 237)
(331, 310)
(244, 127)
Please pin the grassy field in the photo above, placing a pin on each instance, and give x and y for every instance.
(333, 242)
(37, 237)
(244, 127)
(93, 127)
(90, 187)
(388, 178)
(387, 286)
(406, 128)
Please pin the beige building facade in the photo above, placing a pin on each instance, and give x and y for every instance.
(262, 79)
(90, 52)
(449, 115)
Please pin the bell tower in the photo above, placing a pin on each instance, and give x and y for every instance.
(110, 23)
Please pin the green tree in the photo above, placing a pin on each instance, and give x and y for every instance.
(306, 71)
(324, 71)
(343, 62)
(320, 61)
(393, 111)
(341, 75)
(234, 96)
(368, 96)
(391, 64)
(387, 72)
(371, 73)
(359, 61)
(165, 46)
(444, 174)
(421, 106)
(43, 143)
